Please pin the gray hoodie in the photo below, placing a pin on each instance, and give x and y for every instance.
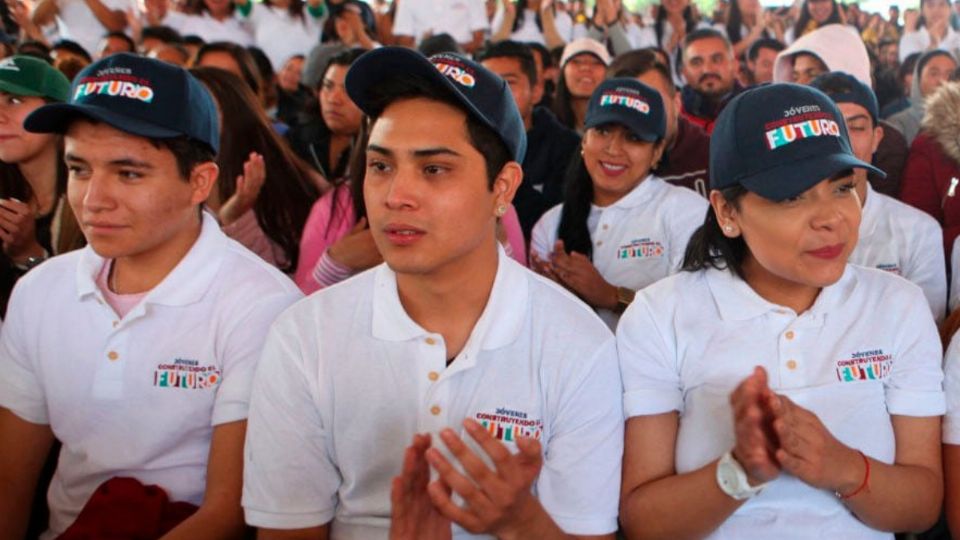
(908, 120)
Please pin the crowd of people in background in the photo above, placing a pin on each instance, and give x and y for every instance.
(616, 120)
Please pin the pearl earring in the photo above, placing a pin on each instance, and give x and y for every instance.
(728, 228)
(501, 210)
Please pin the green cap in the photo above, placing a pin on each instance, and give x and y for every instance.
(29, 76)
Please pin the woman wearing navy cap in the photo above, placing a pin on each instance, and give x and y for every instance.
(620, 228)
(771, 389)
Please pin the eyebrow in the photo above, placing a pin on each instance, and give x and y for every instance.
(122, 162)
(423, 152)
(857, 117)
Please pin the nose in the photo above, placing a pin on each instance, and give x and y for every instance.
(97, 196)
(402, 189)
(614, 144)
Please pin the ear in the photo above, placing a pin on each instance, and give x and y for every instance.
(506, 183)
(203, 178)
(727, 215)
(537, 91)
(877, 138)
(658, 150)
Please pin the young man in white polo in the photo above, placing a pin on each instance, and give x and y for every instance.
(509, 377)
(137, 352)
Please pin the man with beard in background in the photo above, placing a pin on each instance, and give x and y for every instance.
(709, 69)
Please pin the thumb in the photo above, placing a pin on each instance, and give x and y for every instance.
(530, 454)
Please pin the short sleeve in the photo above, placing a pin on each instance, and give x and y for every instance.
(648, 366)
(955, 275)
(579, 485)
(914, 386)
(926, 266)
(685, 217)
(951, 383)
(289, 478)
(544, 233)
(243, 345)
(21, 389)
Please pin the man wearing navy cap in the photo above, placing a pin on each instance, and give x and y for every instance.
(158, 323)
(506, 385)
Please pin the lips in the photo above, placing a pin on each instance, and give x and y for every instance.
(612, 169)
(827, 252)
(401, 234)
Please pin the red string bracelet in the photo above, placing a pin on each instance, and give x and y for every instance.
(863, 485)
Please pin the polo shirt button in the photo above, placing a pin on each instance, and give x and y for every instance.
(789, 334)
(430, 341)
(605, 226)
(599, 242)
(791, 364)
(116, 323)
(112, 355)
(433, 375)
(435, 410)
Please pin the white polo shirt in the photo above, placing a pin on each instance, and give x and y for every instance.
(76, 22)
(902, 240)
(637, 240)
(919, 41)
(137, 396)
(281, 35)
(347, 378)
(459, 18)
(867, 349)
(210, 29)
(529, 31)
(954, 277)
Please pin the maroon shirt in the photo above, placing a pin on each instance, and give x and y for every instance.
(687, 163)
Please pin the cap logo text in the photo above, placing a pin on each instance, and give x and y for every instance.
(809, 125)
(116, 88)
(8, 64)
(623, 100)
(457, 73)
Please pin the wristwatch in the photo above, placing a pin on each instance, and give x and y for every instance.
(732, 479)
(624, 297)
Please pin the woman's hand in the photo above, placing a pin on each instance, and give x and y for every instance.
(248, 189)
(577, 273)
(357, 250)
(753, 417)
(18, 230)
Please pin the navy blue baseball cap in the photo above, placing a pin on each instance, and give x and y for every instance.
(138, 95)
(779, 140)
(630, 103)
(483, 94)
(845, 88)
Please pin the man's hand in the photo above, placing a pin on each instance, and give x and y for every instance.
(413, 516)
(498, 501)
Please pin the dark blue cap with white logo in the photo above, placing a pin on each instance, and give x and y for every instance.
(137, 95)
(483, 94)
(630, 103)
(779, 140)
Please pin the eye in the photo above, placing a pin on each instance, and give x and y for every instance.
(378, 167)
(847, 187)
(127, 174)
(433, 170)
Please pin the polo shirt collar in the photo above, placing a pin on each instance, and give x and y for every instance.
(499, 325)
(868, 215)
(639, 196)
(737, 301)
(185, 284)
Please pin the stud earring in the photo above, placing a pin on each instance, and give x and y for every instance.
(501, 210)
(728, 228)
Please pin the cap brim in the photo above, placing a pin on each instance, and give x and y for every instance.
(56, 118)
(378, 65)
(790, 179)
(612, 117)
(17, 90)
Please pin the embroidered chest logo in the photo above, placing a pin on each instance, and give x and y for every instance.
(507, 425)
(188, 374)
(644, 248)
(893, 268)
(865, 366)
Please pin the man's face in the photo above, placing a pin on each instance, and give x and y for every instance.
(339, 112)
(709, 67)
(762, 68)
(127, 194)
(864, 139)
(806, 68)
(524, 94)
(654, 79)
(890, 54)
(429, 204)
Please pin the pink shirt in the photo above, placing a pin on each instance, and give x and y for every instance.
(121, 303)
(315, 270)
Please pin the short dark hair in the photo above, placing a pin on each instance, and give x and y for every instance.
(545, 57)
(163, 33)
(486, 141)
(637, 62)
(188, 152)
(131, 46)
(705, 33)
(764, 43)
(36, 49)
(193, 39)
(72, 47)
(439, 43)
(516, 50)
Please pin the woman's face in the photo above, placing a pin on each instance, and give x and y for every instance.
(820, 10)
(936, 13)
(339, 112)
(583, 73)
(803, 241)
(222, 60)
(617, 161)
(18, 145)
(935, 72)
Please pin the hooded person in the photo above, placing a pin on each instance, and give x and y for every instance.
(837, 47)
(939, 65)
(930, 179)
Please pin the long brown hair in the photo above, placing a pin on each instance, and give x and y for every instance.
(288, 192)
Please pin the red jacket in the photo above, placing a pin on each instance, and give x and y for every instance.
(931, 182)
